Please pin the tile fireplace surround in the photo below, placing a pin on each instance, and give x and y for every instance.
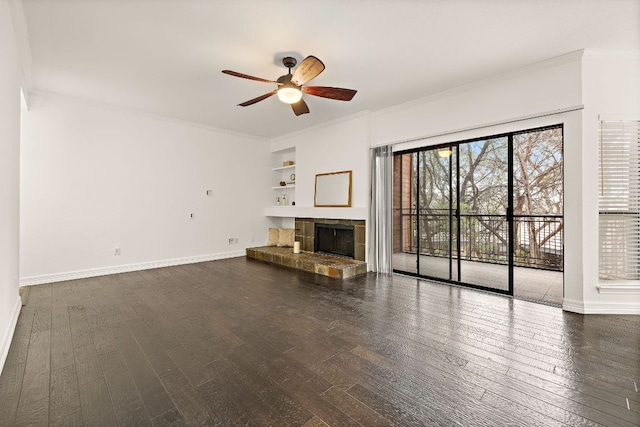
(318, 263)
(305, 233)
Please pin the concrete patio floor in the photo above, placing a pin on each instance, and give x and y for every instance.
(531, 284)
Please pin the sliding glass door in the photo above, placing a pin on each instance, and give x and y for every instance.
(484, 202)
(435, 214)
(454, 209)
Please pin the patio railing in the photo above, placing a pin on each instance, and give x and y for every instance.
(538, 239)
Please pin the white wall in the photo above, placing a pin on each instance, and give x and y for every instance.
(545, 87)
(95, 179)
(338, 146)
(10, 78)
(611, 92)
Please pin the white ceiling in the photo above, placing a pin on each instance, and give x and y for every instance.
(164, 57)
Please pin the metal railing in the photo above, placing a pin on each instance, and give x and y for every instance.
(538, 239)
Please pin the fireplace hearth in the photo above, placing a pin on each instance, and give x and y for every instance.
(335, 239)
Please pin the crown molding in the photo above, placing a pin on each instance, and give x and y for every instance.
(38, 96)
(610, 54)
(551, 62)
(334, 122)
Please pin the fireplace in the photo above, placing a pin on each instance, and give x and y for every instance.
(306, 234)
(334, 239)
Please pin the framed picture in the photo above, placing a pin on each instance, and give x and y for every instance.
(333, 190)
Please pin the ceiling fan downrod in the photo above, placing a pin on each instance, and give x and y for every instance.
(289, 62)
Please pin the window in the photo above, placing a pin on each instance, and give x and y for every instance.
(619, 200)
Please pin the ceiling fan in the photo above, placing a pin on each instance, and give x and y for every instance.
(290, 86)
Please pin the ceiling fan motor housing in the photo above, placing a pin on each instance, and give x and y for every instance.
(289, 62)
(285, 81)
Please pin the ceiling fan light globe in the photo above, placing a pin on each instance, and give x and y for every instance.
(289, 95)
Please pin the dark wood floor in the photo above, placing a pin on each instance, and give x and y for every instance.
(239, 342)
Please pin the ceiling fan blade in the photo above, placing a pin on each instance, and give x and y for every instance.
(258, 99)
(308, 69)
(300, 107)
(246, 76)
(337, 93)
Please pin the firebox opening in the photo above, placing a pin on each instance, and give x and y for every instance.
(334, 239)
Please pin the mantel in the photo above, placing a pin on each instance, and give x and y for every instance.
(312, 212)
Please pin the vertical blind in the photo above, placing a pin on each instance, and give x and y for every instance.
(619, 200)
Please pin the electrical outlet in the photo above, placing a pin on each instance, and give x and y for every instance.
(191, 215)
(116, 252)
(233, 240)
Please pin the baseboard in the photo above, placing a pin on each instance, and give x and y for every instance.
(94, 272)
(574, 306)
(8, 335)
(590, 307)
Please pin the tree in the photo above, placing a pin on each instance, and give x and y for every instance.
(483, 199)
(537, 184)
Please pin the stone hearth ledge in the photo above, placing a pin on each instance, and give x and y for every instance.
(326, 265)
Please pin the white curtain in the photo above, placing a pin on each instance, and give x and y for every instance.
(380, 216)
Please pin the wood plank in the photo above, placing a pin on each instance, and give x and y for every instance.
(87, 364)
(96, 404)
(42, 317)
(71, 420)
(125, 398)
(316, 403)
(152, 346)
(104, 340)
(355, 409)
(20, 343)
(80, 332)
(10, 386)
(393, 411)
(249, 400)
(223, 405)
(35, 382)
(257, 376)
(194, 362)
(171, 418)
(193, 409)
(33, 413)
(65, 399)
(61, 342)
(315, 422)
(151, 390)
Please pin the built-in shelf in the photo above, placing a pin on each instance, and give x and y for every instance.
(288, 192)
(312, 212)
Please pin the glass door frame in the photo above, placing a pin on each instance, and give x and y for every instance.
(454, 211)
